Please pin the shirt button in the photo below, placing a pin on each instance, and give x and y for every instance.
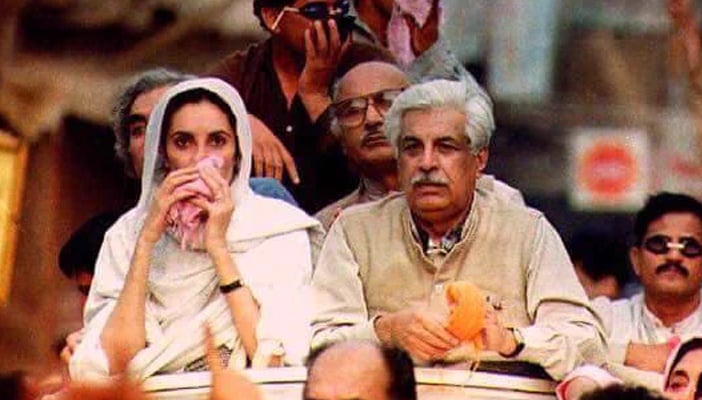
(438, 288)
(288, 128)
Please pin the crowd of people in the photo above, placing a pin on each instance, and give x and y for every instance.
(221, 266)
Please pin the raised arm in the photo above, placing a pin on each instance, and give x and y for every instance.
(124, 333)
(242, 306)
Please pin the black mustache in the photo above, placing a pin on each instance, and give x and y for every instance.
(676, 266)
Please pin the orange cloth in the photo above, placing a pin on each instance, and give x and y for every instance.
(468, 307)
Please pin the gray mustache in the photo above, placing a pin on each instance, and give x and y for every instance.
(428, 179)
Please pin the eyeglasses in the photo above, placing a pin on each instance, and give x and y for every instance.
(352, 112)
(316, 10)
(661, 244)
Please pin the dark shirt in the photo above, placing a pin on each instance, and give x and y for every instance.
(323, 170)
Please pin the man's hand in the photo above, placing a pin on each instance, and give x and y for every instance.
(72, 341)
(495, 336)
(423, 37)
(270, 157)
(322, 55)
(418, 331)
(648, 357)
(227, 384)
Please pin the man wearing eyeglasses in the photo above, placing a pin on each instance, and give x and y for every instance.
(667, 258)
(361, 98)
(285, 81)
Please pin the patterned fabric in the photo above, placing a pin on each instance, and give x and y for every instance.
(200, 364)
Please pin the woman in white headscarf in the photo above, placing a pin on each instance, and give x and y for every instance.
(246, 277)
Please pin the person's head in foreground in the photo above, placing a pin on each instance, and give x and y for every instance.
(360, 370)
(667, 251)
(441, 131)
(617, 392)
(682, 374)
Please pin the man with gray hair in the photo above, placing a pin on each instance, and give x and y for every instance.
(361, 100)
(384, 266)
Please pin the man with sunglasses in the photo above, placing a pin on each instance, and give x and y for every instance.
(667, 258)
(361, 98)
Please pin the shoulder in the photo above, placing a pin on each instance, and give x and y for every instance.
(260, 217)
(127, 225)
(496, 207)
(328, 214)
(380, 211)
(231, 67)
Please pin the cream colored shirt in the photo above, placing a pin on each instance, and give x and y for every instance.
(629, 320)
(370, 264)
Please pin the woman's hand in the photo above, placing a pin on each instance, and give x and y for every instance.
(219, 210)
(166, 195)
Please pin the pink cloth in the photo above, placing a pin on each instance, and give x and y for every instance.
(399, 40)
(186, 219)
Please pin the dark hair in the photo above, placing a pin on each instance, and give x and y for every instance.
(140, 84)
(12, 385)
(80, 252)
(690, 345)
(617, 391)
(260, 4)
(601, 254)
(195, 96)
(402, 386)
(661, 204)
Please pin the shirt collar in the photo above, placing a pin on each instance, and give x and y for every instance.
(451, 238)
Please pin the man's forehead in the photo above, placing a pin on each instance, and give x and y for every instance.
(683, 222)
(369, 78)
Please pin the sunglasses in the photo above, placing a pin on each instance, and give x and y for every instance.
(661, 244)
(352, 112)
(316, 10)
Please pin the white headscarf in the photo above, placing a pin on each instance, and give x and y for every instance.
(182, 285)
(673, 357)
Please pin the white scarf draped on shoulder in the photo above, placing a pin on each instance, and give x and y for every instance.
(268, 239)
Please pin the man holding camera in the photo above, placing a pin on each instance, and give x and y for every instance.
(284, 82)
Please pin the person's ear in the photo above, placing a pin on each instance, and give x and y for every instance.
(268, 16)
(482, 159)
(635, 259)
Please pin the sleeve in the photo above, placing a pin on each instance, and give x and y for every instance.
(280, 284)
(616, 347)
(229, 69)
(566, 331)
(90, 361)
(339, 303)
(437, 62)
